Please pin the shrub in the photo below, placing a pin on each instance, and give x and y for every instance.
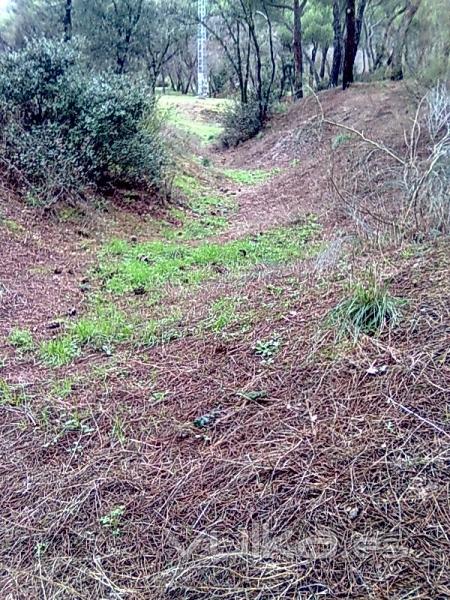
(241, 122)
(65, 130)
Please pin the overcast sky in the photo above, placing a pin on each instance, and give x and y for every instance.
(3, 5)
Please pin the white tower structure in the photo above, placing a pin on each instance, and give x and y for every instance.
(202, 57)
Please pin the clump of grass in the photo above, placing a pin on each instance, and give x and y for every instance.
(368, 310)
(339, 140)
(59, 352)
(250, 177)
(223, 313)
(62, 388)
(103, 329)
(22, 339)
(161, 331)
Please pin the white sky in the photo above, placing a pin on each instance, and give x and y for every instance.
(3, 5)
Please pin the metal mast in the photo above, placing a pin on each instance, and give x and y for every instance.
(202, 58)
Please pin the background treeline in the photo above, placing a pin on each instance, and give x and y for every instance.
(284, 43)
(77, 77)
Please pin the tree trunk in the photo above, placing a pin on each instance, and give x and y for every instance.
(359, 21)
(396, 61)
(323, 62)
(337, 45)
(350, 44)
(298, 50)
(68, 21)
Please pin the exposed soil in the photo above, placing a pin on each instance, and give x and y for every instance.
(323, 473)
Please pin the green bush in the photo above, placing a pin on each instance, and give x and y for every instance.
(240, 122)
(65, 130)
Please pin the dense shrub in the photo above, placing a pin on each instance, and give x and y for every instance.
(241, 122)
(65, 130)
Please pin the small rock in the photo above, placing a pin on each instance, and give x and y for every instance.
(206, 420)
(353, 513)
(373, 370)
(58, 271)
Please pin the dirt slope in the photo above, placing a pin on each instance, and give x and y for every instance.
(201, 469)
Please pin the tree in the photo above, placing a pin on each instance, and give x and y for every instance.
(337, 44)
(350, 44)
(298, 49)
(68, 21)
(396, 60)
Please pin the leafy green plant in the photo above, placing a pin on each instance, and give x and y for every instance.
(113, 520)
(368, 310)
(22, 339)
(59, 352)
(268, 349)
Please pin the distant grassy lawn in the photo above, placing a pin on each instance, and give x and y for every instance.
(185, 113)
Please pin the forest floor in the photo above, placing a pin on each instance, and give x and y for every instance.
(179, 417)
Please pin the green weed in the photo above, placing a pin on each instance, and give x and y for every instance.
(118, 429)
(22, 339)
(113, 519)
(223, 314)
(62, 389)
(12, 395)
(6, 392)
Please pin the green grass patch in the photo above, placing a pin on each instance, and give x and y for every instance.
(252, 177)
(340, 139)
(62, 388)
(223, 314)
(125, 267)
(59, 352)
(103, 329)
(205, 132)
(12, 226)
(207, 213)
(21, 339)
(161, 331)
(12, 395)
